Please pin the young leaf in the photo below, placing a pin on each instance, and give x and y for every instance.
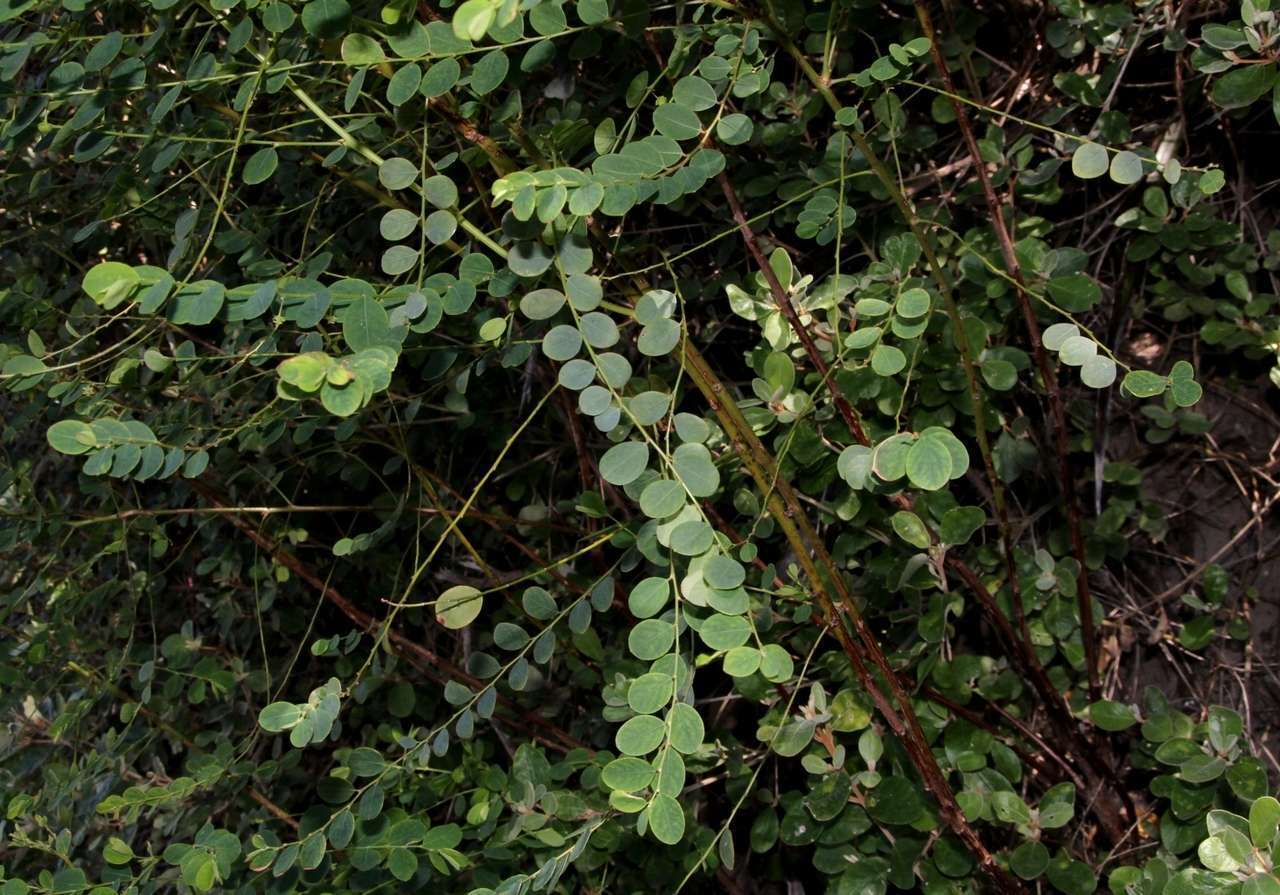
(1089, 161)
(459, 606)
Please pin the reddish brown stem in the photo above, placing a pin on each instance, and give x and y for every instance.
(783, 301)
(1019, 649)
(427, 661)
(833, 596)
(1058, 411)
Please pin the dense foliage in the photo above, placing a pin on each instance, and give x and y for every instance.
(602, 446)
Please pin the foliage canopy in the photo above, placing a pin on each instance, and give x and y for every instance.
(506, 446)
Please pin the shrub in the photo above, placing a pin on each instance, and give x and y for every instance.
(606, 446)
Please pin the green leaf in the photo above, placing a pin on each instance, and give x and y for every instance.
(1214, 855)
(928, 464)
(1098, 371)
(959, 524)
(341, 400)
(397, 223)
(538, 603)
(734, 129)
(542, 304)
(197, 303)
(562, 342)
(854, 465)
(24, 365)
(1077, 349)
(110, 282)
(1089, 161)
(404, 84)
(509, 637)
(1075, 292)
(694, 93)
(911, 529)
(472, 19)
(884, 69)
(195, 464)
(1185, 392)
(649, 597)
(1244, 85)
(440, 227)
(399, 259)
(1202, 768)
(793, 737)
(686, 728)
(627, 774)
(640, 735)
(1264, 822)
(1212, 180)
(279, 716)
(365, 324)
(341, 829)
(593, 12)
(1057, 806)
(887, 360)
(489, 71)
(402, 864)
(723, 632)
(1126, 168)
(889, 459)
(913, 303)
(529, 258)
(1029, 860)
(203, 873)
(1112, 716)
(1144, 384)
(677, 122)
(1072, 877)
(326, 18)
(397, 173)
(776, 663)
(305, 372)
(650, 692)
(260, 166)
(897, 802)
(440, 78)
(742, 661)
(361, 49)
(724, 573)
(598, 329)
(999, 374)
(277, 17)
(651, 638)
(104, 51)
(1010, 808)
(440, 191)
(666, 819)
(71, 437)
(586, 200)
(1055, 336)
(117, 852)
(662, 498)
(659, 338)
(693, 464)
(623, 463)
(1261, 884)
(1223, 37)
(459, 606)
